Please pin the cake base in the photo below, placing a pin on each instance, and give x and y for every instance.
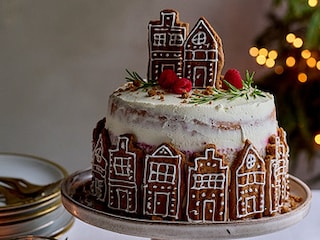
(78, 201)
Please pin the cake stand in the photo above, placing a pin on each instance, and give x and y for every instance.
(81, 207)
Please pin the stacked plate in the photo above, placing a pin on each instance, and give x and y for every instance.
(43, 215)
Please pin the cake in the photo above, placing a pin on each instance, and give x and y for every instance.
(190, 144)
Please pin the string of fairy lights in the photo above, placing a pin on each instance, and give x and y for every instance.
(306, 59)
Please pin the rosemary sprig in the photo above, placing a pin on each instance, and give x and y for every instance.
(138, 81)
(232, 93)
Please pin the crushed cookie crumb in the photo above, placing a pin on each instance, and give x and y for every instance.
(136, 83)
(185, 95)
(152, 92)
(208, 91)
(285, 209)
(196, 91)
(292, 203)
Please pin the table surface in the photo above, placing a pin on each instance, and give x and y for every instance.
(308, 228)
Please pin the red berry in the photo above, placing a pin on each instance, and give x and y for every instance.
(167, 78)
(182, 85)
(233, 77)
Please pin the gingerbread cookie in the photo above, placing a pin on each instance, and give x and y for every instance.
(100, 155)
(208, 181)
(203, 55)
(166, 39)
(124, 175)
(248, 182)
(163, 183)
(277, 165)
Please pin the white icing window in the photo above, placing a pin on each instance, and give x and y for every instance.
(199, 38)
(252, 178)
(207, 181)
(121, 166)
(251, 161)
(162, 172)
(159, 39)
(176, 39)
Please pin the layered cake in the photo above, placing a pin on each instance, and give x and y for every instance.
(190, 143)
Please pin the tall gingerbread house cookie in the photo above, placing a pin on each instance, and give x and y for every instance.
(163, 183)
(166, 39)
(208, 181)
(100, 155)
(203, 55)
(124, 179)
(277, 165)
(248, 184)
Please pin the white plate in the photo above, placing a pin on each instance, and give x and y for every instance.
(33, 169)
(30, 212)
(44, 216)
(50, 224)
(179, 229)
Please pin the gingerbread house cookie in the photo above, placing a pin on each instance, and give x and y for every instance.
(248, 184)
(208, 181)
(166, 39)
(100, 155)
(203, 55)
(277, 165)
(163, 185)
(124, 175)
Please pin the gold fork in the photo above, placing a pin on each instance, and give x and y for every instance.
(15, 190)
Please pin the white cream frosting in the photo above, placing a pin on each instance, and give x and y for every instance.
(225, 123)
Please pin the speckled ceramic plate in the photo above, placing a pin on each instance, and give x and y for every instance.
(80, 208)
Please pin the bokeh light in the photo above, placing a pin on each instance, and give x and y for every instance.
(253, 51)
(278, 70)
(302, 77)
(290, 61)
(270, 63)
(263, 52)
(312, 3)
(290, 37)
(273, 54)
(261, 59)
(311, 62)
(297, 43)
(306, 54)
(317, 138)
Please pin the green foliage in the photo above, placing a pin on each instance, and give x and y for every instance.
(298, 103)
(138, 81)
(299, 16)
(248, 91)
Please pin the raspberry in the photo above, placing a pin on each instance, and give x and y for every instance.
(182, 85)
(167, 78)
(233, 77)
